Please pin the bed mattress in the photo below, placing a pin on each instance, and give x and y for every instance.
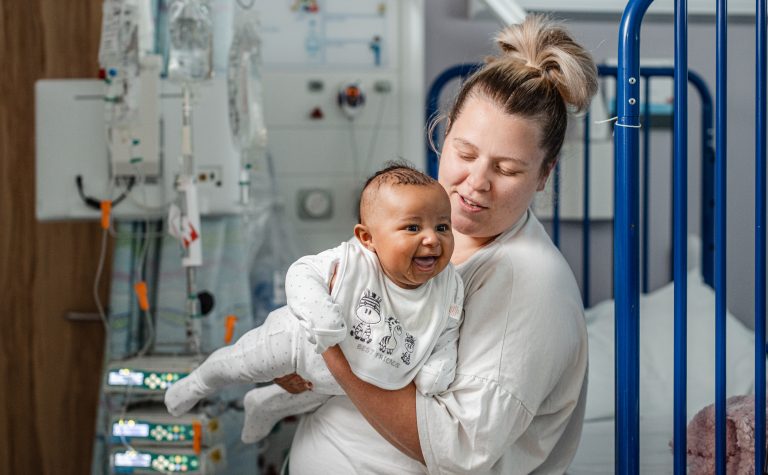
(596, 450)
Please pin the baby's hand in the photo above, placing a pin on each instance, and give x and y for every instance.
(184, 394)
(293, 383)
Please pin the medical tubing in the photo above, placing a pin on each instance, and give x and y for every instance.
(140, 265)
(94, 203)
(141, 182)
(585, 223)
(721, 132)
(96, 280)
(626, 241)
(100, 308)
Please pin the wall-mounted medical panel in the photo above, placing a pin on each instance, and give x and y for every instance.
(343, 83)
(71, 141)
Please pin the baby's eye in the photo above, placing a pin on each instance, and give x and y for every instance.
(442, 228)
(412, 228)
(467, 157)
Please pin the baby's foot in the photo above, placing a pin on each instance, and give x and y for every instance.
(259, 419)
(268, 405)
(184, 394)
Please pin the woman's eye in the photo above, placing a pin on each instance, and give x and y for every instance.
(507, 172)
(442, 228)
(412, 228)
(466, 157)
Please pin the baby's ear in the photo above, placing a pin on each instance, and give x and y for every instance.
(364, 236)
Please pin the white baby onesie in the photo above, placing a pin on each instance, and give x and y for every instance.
(389, 335)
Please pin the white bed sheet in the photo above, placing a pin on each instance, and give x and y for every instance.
(596, 450)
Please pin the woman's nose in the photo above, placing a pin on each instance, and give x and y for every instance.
(477, 178)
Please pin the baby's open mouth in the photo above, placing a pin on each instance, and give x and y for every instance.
(425, 263)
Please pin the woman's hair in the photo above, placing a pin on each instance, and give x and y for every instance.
(540, 73)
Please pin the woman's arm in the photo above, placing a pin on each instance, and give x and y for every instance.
(398, 427)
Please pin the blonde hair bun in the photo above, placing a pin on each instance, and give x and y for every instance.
(542, 44)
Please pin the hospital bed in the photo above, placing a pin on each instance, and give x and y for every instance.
(658, 357)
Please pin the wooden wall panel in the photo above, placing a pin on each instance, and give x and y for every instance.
(49, 368)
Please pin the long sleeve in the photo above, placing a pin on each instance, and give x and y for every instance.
(307, 290)
(517, 401)
(468, 428)
(440, 369)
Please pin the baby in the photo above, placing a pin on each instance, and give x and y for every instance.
(389, 298)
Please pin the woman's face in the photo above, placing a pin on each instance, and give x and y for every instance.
(491, 168)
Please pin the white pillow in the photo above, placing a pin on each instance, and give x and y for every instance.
(657, 355)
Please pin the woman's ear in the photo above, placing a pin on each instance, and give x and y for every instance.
(364, 236)
(545, 175)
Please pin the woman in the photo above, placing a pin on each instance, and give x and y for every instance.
(517, 403)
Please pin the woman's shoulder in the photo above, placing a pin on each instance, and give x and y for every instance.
(528, 254)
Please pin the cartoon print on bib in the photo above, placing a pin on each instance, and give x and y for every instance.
(388, 343)
(410, 344)
(368, 312)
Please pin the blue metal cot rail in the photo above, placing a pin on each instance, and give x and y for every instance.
(627, 224)
(626, 239)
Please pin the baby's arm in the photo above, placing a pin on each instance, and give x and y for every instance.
(440, 369)
(308, 291)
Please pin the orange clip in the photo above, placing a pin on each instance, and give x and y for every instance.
(229, 328)
(197, 441)
(141, 293)
(106, 210)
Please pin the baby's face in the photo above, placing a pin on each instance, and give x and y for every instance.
(410, 231)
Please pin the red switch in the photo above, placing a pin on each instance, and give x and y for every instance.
(316, 113)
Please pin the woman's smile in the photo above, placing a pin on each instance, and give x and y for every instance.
(469, 205)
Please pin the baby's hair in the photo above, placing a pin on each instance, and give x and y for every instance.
(539, 74)
(395, 172)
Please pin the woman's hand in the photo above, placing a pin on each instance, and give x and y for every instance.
(293, 383)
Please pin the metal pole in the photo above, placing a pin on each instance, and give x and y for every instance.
(680, 236)
(760, 208)
(720, 235)
(626, 240)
